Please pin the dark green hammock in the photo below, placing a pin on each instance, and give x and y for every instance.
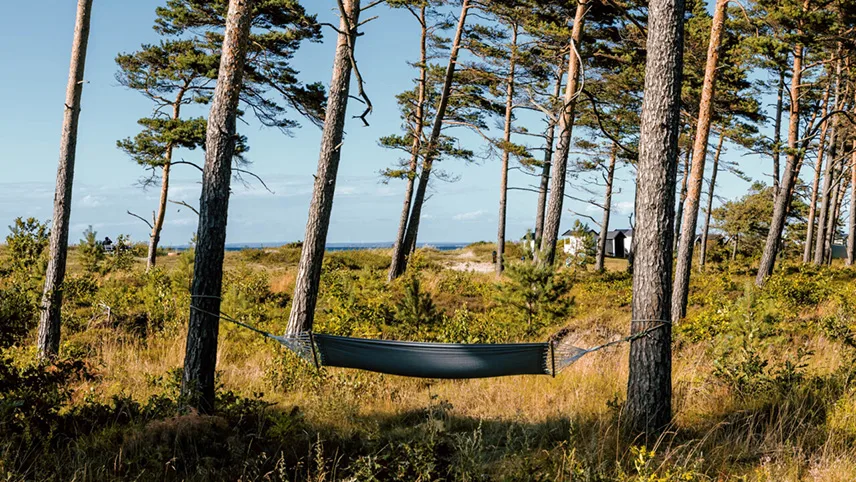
(436, 360)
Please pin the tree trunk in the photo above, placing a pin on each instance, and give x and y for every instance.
(825, 200)
(777, 131)
(812, 207)
(690, 215)
(51, 304)
(703, 253)
(547, 251)
(506, 138)
(826, 194)
(544, 188)
(837, 202)
(832, 218)
(649, 386)
(154, 238)
(782, 205)
(607, 207)
(679, 217)
(734, 249)
(315, 240)
(399, 250)
(200, 358)
(436, 129)
(851, 232)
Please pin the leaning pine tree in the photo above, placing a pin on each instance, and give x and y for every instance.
(321, 206)
(51, 306)
(649, 386)
(200, 358)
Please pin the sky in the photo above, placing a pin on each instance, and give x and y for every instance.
(106, 181)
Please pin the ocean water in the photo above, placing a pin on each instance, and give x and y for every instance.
(332, 246)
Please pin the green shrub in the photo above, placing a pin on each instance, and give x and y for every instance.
(416, 308)
(798, 288)
(535, 292)
(18, 315)
(27, 241)
(91, 251)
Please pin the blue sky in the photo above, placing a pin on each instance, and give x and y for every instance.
(32, 91)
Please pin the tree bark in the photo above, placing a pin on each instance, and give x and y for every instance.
(818, 166)
(826, 194)
(200, 359)
(825, 199)
(547, 251)
(832, 218)
(544, 187)
(506, 138)
(399, 250)
(782, 205)
(851, 232)
(679, 217)
(51, 303)
(837, 201)
(777, 131)
(436, 129)
(690, 214)
(704, 234)
(649, 386)
(607, 207)
(315, 241)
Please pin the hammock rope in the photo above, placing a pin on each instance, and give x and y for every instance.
(435, 360)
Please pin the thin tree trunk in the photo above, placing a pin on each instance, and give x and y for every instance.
(607, 207)
(547, 251)
(200, 358)
(782, 205)
(704, 234)
(679, 216)
(544, 188)
(826, 194)
(736, 245)
(690, 214)
(777, 131)
(832, 219)
(825, 199)
(818, 166)
(836, 214)
(436, 129)
(157, 227)
(318, 221)
(399, 250)
(851, 232)
(649, 385)
(51, 304)
(506, 138)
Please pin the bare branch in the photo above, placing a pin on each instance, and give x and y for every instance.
(141, 219)
(188, 206)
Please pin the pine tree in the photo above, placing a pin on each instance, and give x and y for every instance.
(51, 305)
(649, 386)
(200, 358)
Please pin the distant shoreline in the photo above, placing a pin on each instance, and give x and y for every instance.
(330, 246)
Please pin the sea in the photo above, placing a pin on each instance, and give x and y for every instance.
(331, 246)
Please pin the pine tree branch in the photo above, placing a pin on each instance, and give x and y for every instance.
(141, 219)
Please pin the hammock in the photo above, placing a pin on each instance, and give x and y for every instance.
(435, 360)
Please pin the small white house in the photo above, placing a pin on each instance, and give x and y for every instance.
(618, 242)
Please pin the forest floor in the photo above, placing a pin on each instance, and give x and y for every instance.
(764, 378)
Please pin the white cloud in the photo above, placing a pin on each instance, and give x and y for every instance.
(623, 207)
(91, 201)
(469, 216)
